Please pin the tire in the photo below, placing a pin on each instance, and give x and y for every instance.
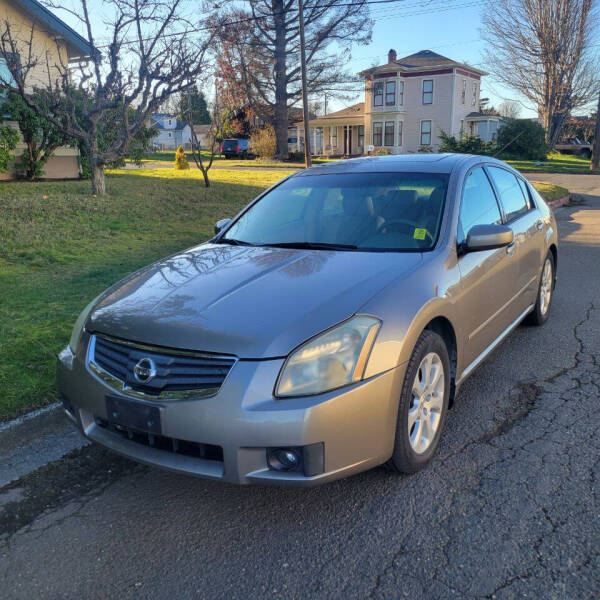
(413, 451)
(541, 311)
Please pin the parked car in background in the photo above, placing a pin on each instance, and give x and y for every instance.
(324, 330)
(575, 146)
(233, 148)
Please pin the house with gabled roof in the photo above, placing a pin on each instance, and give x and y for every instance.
(59, 44)
(408, 102)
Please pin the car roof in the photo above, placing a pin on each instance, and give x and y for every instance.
(396, 163)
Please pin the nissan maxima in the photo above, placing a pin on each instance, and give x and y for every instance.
(324, 330)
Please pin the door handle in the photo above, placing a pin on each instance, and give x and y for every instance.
(510, 249)
(540, 225)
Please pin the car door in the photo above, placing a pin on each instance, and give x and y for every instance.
(523, 218)
(488, 277)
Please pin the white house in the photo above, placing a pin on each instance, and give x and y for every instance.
(408, 102)
(171, 132)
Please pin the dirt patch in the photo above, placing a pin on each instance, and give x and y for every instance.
(75, 475)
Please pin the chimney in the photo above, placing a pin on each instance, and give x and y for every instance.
(391, 56)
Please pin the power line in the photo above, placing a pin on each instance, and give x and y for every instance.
(432, 9)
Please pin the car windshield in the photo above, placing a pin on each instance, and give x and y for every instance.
(351, 211)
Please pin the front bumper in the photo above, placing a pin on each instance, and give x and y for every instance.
(355, 425)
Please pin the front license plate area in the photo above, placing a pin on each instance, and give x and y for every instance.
(136, 415)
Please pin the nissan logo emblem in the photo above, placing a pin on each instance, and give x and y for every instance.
(144, 370)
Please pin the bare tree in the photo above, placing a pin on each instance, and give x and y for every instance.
(152, 53)
(541, 48)
(509, 109)
(595, 163)
(214, 136)
(259, 53)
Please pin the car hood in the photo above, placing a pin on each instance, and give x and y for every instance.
(253, 302)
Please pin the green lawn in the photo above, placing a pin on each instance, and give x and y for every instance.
(554, 163)
(167, 158)
(60, 246)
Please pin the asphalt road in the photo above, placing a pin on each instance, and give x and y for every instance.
(508, 509)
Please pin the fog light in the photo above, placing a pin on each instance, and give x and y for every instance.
(284, 459)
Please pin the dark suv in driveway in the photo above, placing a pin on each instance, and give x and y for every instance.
(235, 148)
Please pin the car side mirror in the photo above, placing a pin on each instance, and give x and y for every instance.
(488, 237)
(220, 225)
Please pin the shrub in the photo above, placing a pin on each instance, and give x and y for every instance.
(382, 152)
(522, 138)
(262, 142)
(466, 144)
(181, 162)
(296, 156)
(8, 142)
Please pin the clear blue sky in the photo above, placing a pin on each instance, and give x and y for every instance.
(450, 27)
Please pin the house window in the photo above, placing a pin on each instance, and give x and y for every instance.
(390, 93)
(361, 136)
(474, 100)
(377, 134)
(378, 93)
(389, 133)
(334, 137)
(425, 133)
(463, 94)
(169, 121)
(427, 91)
(400, 93)
(400, 123)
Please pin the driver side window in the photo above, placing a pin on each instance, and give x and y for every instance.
(479, 205)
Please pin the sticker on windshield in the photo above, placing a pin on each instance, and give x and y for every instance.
(419, 233)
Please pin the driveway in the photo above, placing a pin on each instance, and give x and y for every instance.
(510, 507)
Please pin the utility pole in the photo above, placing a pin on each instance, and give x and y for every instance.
(307, 160)
(325, 109)
(595, 162)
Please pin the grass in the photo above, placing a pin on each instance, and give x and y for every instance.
(549, 191)
(60, 247)
(554, 163)
(167, 158)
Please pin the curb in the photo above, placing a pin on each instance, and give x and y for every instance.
(6, 425)
(560, 201)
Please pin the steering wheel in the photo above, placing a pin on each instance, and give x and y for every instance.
(390, 225)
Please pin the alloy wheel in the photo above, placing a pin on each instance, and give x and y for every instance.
(546, 287)
(425, 410)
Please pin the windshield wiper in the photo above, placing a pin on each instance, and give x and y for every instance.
(233, 242)
(312, 245)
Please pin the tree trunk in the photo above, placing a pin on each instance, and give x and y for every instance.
(280, 123)
(98, 179)
(595, 162)
(205, 175)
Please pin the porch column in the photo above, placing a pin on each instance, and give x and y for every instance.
(315, 140)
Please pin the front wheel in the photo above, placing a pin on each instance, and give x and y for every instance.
(541, 310)
(423, 404)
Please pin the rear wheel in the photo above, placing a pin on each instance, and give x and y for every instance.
(423, 404)
(545, 292)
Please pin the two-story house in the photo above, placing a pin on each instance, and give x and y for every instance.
(172, 132)
(33, 25)
(408, 102)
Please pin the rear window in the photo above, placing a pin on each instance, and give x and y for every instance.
(511, 194)
(230, 144)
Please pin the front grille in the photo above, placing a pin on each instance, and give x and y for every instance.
(162, 442)
(176, 373)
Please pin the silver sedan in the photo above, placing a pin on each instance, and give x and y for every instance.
(324, 330)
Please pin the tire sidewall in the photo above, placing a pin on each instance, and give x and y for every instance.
(404, 455)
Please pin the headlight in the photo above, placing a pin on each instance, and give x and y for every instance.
(330, 360)
(78, 327)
